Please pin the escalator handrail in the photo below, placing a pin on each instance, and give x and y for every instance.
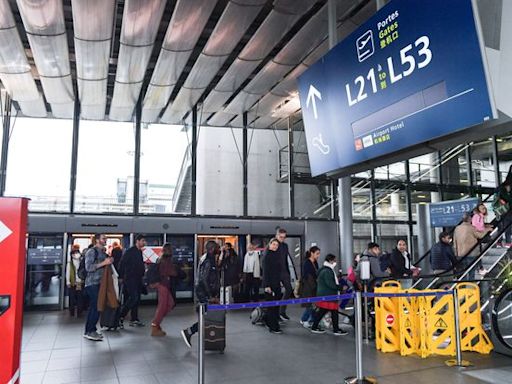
(494, 318)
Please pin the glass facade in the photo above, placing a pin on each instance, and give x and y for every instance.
(177, 175)
(39, 161)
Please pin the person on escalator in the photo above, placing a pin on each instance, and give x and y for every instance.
(375, 256)
(501, 206)
(465, 240)
(442, 258)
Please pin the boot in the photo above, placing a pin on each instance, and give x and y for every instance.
(157, 331)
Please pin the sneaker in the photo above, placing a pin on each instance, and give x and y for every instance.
(340, 333)
(94, 336)
(121, 323)
(186, 337)
(317, 330)
(284, 317)
(137, 323)
(276, 331)
(306, 324)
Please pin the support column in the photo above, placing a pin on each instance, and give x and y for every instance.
(408, 198)
(496, 160)
(193, 205)
(245, 156)
(6, 120)
(74, 154)
(373, 202)
(136, 171)
(291, 188)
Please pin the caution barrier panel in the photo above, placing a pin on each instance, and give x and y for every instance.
(423, 322)
(387, 328)
(473, 337)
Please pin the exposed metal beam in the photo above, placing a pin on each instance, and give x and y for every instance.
(74, 154)
(6, 120)
(193, 205)
(245, 156)
(136, 171)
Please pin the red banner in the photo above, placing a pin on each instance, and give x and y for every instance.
(13, 230)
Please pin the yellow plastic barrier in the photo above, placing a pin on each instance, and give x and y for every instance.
(473, 337)
(387, 324)
(440, 325)
(409, 316)
(426, 325)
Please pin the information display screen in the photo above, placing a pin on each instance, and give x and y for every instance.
(41, 256)
(411, 73)
(449, 213)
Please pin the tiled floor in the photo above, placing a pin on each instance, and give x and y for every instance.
(54, 352)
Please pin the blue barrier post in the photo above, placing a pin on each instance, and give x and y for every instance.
(200, 376)
(359, 379)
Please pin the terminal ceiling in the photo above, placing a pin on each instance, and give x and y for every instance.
(225, 57)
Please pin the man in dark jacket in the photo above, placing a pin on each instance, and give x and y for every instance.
(272, 275)
(207, 286)
(283, 254)
(442, 258)
(131, 271)
(231, 271)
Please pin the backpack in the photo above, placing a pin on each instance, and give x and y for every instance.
(385, 261)
(257, 316)
(152, 275)
(82, 272)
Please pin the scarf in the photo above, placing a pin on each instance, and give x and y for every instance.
(329, 265)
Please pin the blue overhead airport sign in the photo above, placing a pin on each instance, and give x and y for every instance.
(449, 213)
(411, 73)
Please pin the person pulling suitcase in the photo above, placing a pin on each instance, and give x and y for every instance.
(207, 291)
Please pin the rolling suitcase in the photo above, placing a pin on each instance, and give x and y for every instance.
(109, 318)
(215, 331)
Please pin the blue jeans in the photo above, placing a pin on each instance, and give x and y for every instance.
(93, 315)
(308, 314)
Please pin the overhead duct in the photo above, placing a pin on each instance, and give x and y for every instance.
(187, 23)
(281, 19)
(301, 48)
(231, 27)
(46, 32)
(92, 24)
(15, 71)
(141, 19)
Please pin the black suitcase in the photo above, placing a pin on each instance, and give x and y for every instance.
(109, 318)
(215, 331)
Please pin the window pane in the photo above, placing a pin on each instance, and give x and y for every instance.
(454, 166)
(219, 171)
(39, 162)
(482, 163)
(105, 167)
(165, 169)
(424, 169)
(395, 171)
(391, 204)
(267, 188)
(313, 200)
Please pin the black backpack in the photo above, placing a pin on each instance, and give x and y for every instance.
(385, 261)
(152, 275)
(82, 272)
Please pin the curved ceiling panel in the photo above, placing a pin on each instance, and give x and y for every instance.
(92, 24)
(141, 19)
(46, 32)
(230, 28)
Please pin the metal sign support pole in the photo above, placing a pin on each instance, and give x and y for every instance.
(359, 379)
(366, 317)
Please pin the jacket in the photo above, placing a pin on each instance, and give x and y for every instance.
(131, 268)
(283, 254)
(231, 268)
(465, 237)
(107, 296)
(398, 267)
(442, 257)
(208, 284)
(252, 264)
(117, 254)
(272, 270)
(72, 278)
(326, 282)
(375, 270)
(326, 286)
(308, 283)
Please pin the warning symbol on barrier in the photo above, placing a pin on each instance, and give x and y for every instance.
(408, 323)
(390, 320)
(441, 324)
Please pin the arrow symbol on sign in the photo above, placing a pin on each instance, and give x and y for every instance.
(313, 93)
(5, 232)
